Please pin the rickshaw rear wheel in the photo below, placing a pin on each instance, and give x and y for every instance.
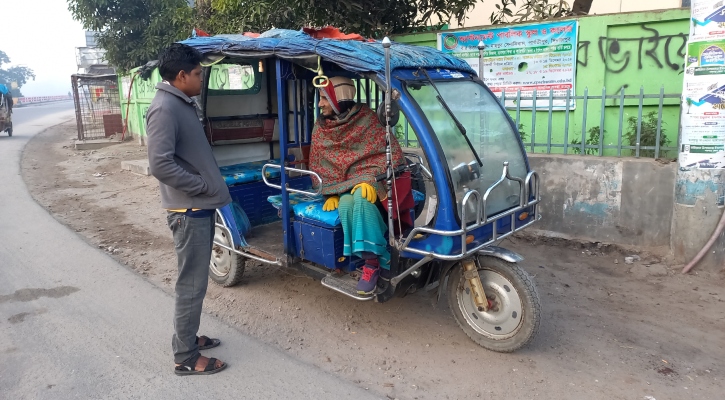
(10, 130)
(226, 268)
(514, 313)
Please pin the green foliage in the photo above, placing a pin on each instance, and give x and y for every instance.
(399, 131)
(370, 18)
(593, 139)
(522, 133)
(133, 31)
(537, 10)
(18, 74)
(530, 10)
(648, 134)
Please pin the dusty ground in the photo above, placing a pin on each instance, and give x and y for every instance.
(609, 330)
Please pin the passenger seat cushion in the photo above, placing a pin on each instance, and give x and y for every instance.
(306, 206)
(248, 172)
(310, 207)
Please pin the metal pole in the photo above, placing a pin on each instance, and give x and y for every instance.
(481, 48)
(78, 105)
(483, 131)
(388, 140)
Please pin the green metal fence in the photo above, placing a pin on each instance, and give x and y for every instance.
(637, 124)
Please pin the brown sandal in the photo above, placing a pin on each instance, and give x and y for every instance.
(200, 365)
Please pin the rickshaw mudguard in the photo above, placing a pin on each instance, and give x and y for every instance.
(491, 251)
(501, 253)
(227, 216)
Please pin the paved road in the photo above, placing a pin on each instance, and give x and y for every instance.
(32, 113)
(76, 324)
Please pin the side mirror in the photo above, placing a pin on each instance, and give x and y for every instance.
(394, 113)
(467, 172)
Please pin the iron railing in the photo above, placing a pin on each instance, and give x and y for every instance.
(638, 125)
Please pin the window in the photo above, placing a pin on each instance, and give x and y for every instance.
(234, 79)
(491, 134)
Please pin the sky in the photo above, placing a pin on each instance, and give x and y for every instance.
(42, 35)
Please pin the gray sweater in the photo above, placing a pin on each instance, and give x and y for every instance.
(180, 156)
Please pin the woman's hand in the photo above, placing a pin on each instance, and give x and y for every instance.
(367, 191)
(331, 203)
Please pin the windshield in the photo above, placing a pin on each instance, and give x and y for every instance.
(490, 133)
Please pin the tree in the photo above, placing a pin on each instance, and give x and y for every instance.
(371, 18)
(133, 32)
(537, 10)
(18, 74)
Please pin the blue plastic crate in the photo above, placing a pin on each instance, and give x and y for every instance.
(323, 245)
(252, 197)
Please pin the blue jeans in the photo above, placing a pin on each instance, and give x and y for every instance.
(193, 239)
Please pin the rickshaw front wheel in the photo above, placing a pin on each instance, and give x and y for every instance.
(514, 313)
(225, 267)
(10, 130)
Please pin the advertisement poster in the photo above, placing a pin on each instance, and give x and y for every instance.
(703, 108)
(539, 57)
(708, 20)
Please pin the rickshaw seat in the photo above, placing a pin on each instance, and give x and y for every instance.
(230, 130)
(309, 208)
(248, 172)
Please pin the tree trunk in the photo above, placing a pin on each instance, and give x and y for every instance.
(581, 7)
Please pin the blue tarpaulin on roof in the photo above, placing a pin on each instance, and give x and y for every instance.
(4, 89)
(351, 55)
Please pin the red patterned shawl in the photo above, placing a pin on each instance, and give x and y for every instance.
(351, 150)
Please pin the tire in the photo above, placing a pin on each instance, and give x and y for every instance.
(517, 314)
(10, 130)
(226, 268)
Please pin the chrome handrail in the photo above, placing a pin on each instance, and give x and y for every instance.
(533, 177)
(425, 170)
(289, 189)
(504, 176)
(482, 218)
(224, 226)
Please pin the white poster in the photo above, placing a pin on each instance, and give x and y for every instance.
(524, 58)
(708, 20)
(703, 107)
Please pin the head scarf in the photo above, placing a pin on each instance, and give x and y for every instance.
(339, 90)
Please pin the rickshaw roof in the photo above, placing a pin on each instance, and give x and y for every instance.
(352, 55)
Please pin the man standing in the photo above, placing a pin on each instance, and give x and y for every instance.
(192, 188)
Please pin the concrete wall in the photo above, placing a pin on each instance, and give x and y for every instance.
(142, 92)
(699, 204)
(606, 199)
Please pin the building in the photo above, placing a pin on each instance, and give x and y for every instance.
(90, 59)
(480, 16)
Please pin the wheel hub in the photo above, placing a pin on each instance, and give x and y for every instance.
(221, 258)
(505, 314)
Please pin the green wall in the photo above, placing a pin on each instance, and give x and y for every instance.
(617, 52)
(143, 91)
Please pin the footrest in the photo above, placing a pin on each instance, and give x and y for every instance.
(346, 285)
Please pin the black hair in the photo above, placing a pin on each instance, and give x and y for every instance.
(176, 58)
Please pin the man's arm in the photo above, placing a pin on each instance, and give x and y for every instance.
(161, 130)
